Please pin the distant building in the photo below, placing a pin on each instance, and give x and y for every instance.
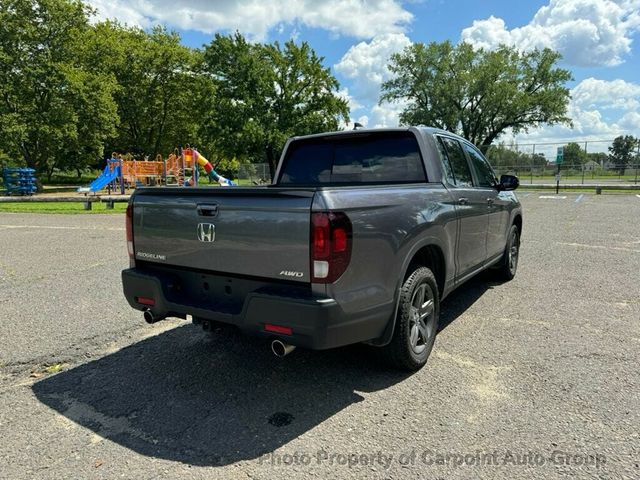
(609, 165)
(591, 165)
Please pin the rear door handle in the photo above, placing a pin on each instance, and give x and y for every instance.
(208, 210)
(490, 201)
(463, 201)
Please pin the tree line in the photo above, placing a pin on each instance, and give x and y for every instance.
(623, 153)
(72, 91)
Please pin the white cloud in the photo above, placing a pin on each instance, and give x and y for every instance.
(600, 109)
(351, 102)
(615, 94)
(365, 64)
(355, 18)
(630, 122)
(585, 32)
(125, 12)
(386, 115)
(362, 120)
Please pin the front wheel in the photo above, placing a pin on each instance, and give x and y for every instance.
(416, 323)
(509, 265)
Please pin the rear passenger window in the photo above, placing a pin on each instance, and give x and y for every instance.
(458, 162)
(446, 164)
(484, 172)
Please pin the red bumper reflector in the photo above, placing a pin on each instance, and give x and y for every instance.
(146, 301)
(278, 329)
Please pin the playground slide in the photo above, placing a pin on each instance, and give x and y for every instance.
(102, 181)
(213, 175)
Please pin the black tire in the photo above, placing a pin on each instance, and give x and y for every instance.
(509, 264)
(416, 326)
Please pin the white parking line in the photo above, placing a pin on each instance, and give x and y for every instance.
(637, 195)
(580, 197)
(561, 197)
(51, 227)
(599, 247)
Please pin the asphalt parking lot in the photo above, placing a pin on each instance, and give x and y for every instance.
(535, 378)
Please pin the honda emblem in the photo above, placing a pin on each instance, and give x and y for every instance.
(206, 232)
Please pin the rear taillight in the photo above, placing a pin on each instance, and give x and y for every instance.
(129, 227)
(330, 246)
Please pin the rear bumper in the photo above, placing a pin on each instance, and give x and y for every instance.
(317, 323)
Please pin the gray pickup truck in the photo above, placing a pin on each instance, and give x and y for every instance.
(359, 238)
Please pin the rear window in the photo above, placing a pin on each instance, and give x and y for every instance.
(362, 158)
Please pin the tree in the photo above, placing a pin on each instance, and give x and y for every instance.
(52, 107)
(477, 93)
(227, 167)
(8, 161)
(573, 155)
(161, 93)
(507, 157)
(622, 151)
(503, 156)
(267, 93)
(599, 157)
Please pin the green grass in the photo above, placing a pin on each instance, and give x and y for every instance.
(247, 182)
(71, 178)
(578, 178)
(60, 207)
(592, 190)
(572, 175)
(49, 370)
(241, 182)
(55, 368)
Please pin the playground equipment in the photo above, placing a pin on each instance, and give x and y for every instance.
(208, 168)
(111, 177)
(21, 181)
(137, 173)
(177, 170)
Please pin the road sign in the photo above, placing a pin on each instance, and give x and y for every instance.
(560, 156)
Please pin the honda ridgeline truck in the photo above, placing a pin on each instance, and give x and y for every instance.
(358, 239)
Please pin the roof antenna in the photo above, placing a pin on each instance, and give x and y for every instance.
(357, 125)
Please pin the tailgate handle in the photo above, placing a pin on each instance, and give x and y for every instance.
(208, 210)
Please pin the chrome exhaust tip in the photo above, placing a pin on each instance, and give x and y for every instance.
(281, 349)
(150, 318)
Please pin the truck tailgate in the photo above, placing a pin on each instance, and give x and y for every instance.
(261, 232)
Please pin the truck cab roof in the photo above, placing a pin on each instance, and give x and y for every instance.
(367, 131)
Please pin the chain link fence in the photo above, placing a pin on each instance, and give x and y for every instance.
(583, 162)
(254, 174)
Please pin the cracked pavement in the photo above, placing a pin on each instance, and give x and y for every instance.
(535, 378)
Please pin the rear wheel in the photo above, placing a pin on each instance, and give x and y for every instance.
(416, 323)
(509, 265)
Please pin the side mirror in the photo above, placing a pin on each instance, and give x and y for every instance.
(508, 182)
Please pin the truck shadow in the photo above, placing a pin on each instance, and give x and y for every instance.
(207, 400)
(463, 297)
(189, 397)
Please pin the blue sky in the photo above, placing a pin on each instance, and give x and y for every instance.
(599, 39)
